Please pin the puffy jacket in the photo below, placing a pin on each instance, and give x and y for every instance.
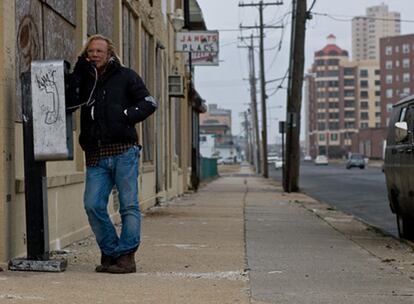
(110, 106)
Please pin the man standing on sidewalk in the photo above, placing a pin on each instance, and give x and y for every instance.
(112, 99)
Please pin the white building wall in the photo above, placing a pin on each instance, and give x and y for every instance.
(367, 30)
(207, 145)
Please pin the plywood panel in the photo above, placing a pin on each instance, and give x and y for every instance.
(28, 41)
(59, 41)
(105, 13)
(125, 36)
(91, 17)
(67, 9)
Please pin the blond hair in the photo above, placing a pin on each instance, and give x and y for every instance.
(111, 46)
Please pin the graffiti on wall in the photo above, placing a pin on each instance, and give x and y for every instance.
(46, 82)
(28, 48)
(28, 43)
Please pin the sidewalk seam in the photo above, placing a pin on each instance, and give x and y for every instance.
(246, 261)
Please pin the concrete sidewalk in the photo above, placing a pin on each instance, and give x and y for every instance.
(194, 250)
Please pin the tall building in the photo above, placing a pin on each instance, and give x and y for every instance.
(368, 94)
(367, 31)
(333, 104)
(397, 71)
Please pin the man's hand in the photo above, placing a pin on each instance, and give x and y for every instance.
(84, 66)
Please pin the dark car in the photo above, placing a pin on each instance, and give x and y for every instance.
(356, 160)
(399, 165)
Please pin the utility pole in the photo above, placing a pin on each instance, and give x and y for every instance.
(261, 27)
(253, 95)
(296, 69)
(247, 140)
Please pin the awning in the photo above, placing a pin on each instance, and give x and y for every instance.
(198, 103)
(196, 17)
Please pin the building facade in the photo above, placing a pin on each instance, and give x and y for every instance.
(143, 32)
(217, 115)
(333, 107)
(368, 94)
(397, 76)
(217, 121)
(354, 87)
(378, 22)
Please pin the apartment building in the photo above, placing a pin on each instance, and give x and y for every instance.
(378, 22)
(368, 94)
(333, 103)
(397, 71)
(143, 32)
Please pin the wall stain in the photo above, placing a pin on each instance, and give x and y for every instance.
(28, 43)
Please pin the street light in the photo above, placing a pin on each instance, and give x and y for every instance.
(177, 19)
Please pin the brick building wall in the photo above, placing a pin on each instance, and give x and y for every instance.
(397, 72)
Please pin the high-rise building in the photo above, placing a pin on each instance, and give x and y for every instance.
(333, 104)
(367, 31)
(397, 71)
(368, 94)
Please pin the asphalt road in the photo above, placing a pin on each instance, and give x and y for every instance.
(361, 193)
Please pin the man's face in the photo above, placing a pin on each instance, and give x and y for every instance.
(98, 52)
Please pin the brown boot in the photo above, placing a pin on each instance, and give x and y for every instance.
(124, 264)
(106, 261)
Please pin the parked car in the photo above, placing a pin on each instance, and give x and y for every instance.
(321, 160)
(272, 157)
(278, 162)
(399, 166)
(275, 160)
(307, 158)
(356, 160)
(230, 160)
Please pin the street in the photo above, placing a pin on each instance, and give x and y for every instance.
(361, 193)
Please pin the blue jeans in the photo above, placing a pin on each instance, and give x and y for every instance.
(122, 171)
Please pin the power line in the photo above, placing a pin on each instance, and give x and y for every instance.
(279, 46)
(311, 7)
(280, 84)
(350, 18)
(228, 43)
(261, 5)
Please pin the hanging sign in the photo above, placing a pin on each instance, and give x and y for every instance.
(203, 59)
(197, 42)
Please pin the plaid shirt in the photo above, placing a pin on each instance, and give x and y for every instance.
(93, 156)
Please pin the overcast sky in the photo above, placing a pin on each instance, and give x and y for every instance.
(226, 84)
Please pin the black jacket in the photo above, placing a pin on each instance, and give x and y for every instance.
(110, 106)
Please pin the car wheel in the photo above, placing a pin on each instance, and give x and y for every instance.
(405, 227)
(348, 167)
(362, 167)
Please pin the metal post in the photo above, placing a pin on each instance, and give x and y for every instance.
(282, 132)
